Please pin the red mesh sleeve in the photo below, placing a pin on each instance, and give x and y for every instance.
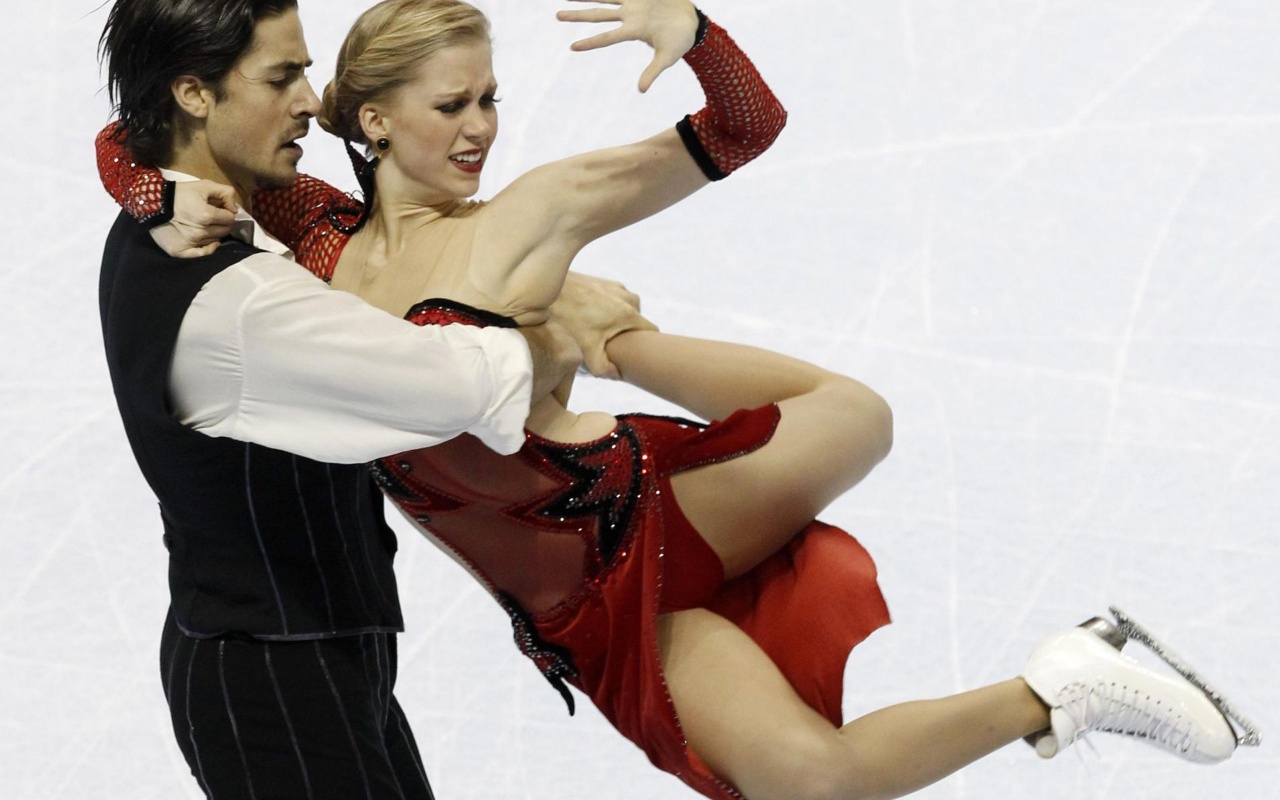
(312, 218)
(742, 116)
(141, 191)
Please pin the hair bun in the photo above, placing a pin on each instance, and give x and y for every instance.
(330, 118)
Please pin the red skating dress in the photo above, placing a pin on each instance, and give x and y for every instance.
(584, 546)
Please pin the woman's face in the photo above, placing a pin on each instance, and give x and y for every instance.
(442, 125)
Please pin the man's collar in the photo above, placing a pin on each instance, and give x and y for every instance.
(245, 228)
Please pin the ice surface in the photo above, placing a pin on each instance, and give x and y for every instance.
(1047, 232)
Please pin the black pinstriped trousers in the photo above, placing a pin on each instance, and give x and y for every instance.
(311, 720)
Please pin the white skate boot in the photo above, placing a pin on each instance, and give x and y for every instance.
(1090, 686)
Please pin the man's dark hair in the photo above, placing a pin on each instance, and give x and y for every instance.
(148, 43)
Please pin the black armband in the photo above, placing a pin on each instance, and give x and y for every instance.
(700, 155)
(165, 213)
(703, 22)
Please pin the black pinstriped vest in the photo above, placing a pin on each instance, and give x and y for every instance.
(260, 541)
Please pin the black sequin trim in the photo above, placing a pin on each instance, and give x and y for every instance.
(470, 314)
(347, 219)
(553, 661)
(391, 483)
(165, 212)
(366, 170)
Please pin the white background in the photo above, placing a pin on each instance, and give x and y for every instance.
(1048, 231)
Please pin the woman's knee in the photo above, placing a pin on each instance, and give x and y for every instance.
(865, 414)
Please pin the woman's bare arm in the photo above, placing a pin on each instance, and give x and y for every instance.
(713, 379)
(534, 228)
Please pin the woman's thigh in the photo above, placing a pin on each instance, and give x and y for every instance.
(741, 716)
(748, 507)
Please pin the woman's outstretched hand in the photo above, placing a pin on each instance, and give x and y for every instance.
(668, 26)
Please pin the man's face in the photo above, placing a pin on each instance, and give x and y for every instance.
(266, 104)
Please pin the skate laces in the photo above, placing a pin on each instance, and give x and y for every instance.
(1111, 707)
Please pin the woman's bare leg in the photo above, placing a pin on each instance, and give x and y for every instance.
(743, 719)
(739, 713)
(833, 431)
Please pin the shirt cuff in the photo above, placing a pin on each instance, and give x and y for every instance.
(511, 373)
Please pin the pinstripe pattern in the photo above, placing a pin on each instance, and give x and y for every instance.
(288, 723)
(191, 726)
(363, 541)
(170, 633)
(231, 715)
(386, 699)
(346, 723)
(262, 546)
(315, 720)
(342, 534)
(381, 705)
(369, 679)
(377, 662)
(402, 726)
(367, 536)
(311, 540)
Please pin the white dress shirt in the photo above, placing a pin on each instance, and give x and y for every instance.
(268, 353)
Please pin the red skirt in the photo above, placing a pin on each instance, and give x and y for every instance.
(807, 606)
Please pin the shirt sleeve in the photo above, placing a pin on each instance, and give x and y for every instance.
(267, 353)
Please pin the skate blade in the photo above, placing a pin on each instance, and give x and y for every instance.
(1247, 733)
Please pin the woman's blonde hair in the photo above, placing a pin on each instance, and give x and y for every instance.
(384, 47)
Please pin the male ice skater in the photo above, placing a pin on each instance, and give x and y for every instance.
(252, 395)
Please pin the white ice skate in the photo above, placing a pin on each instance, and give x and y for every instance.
(1090, 686)
(1246, 732)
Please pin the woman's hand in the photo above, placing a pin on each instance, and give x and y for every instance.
(203, 212)
(668, 26)
(594, 310)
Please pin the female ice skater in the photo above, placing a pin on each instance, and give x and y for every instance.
(669, 570)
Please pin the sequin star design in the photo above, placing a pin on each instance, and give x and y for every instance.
(596, 488)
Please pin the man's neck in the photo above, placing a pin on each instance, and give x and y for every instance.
(199, 163)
